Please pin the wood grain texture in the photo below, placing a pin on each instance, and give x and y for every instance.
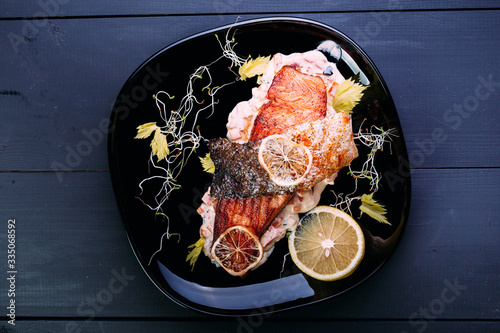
(77, 272)
(59, 87)
(34, 8)
(256, 325)
(71, 245)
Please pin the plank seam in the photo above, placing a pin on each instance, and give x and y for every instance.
(107, 171)
(62, 17)
(270, 319)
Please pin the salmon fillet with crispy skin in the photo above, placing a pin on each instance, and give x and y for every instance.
(331, 144)
(294, 98)
(254, 213)
(238, 173)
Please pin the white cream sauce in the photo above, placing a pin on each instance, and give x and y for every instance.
(207, 213)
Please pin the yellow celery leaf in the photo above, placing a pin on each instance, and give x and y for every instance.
(193, 255)
(253, 67)
(347, 96)
(145, 130)
(373, 208)
(159, 145)
(207, 163)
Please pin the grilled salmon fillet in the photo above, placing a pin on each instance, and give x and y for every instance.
(238, 173)
(331, 144)
(294, 98)
(254, 213)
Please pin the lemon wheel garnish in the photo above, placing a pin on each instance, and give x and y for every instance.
(237, 250)
(327, 245)
(286, 162)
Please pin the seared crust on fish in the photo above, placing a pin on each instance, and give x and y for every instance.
(253, 213)
(331, 143)
(238, 173)
(294, 98)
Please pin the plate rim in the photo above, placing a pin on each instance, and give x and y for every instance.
(180, 299)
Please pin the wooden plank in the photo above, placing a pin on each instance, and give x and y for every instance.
(71, 245)
(262, 325)
(32, 8)
(58, 88)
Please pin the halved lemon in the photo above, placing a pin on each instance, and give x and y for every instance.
(286, 162)
(327, 245)
(237, 250)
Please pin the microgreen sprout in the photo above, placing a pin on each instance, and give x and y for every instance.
(283, 263)
(228, 50)
(374, 138)
(178, 142)
(165, 234)
(174, 141)
(343, 202)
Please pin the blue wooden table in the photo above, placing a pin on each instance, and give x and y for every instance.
(63, 63)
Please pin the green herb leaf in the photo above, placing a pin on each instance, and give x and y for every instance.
(207, 163)
(193, 255)
(347, 96)
(145, 130)
(373, 208)
(253, 67)
(159, 145)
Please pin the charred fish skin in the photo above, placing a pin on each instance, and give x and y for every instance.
(254, 213)
(238, 173)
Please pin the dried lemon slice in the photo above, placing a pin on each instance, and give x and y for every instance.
(327, 245)
(286, 162)
(237, 250)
